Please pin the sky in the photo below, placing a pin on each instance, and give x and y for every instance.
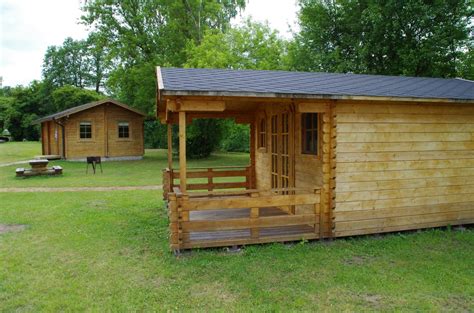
(28, 27)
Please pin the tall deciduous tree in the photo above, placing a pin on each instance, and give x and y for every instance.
(249, 46)
(66, 64)
(79, 63)
(144, 33)
(412, 37)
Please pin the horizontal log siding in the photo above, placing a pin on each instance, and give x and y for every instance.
(403, 166)
(104, 120)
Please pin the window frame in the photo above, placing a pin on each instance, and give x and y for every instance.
(262, 134)
(128, 130)
(86, 123)
(315, 134)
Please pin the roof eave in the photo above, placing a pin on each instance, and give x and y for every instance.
(306, 96)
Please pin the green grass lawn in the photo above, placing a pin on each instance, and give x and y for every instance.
(108, 252)
(19, 151)
(116, 173)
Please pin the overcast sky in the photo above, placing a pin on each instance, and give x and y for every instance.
(28, 27)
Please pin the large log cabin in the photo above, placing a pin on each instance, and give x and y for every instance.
(105, 128)
(331, 155)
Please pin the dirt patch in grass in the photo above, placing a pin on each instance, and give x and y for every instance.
(457, 304)
(212, 291)
(374, 300)
(98, 204)
(5, 228)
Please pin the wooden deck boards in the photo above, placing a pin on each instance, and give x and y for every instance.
(231, 213)
(201, 237)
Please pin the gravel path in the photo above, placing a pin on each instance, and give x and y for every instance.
(13, 163)
(68, 189)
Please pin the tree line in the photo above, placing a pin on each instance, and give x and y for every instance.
(129, 38)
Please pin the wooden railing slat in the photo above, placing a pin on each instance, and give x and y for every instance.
(205, 186)
(248, 202)
(245, 223)
(206, 174)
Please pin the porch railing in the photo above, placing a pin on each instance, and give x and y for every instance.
(250, 227)
(209, 178)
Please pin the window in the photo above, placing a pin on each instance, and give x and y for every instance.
(85, 130)
(123, 130)
(262, 133)
(309, 135)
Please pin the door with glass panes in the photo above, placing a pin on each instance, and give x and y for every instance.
(281, 128)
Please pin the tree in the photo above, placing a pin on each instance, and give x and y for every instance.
(67, 64)
(68, 96)
(203, 136)
(79, 63)
(20, 106)
(466, 68)
(249, 46)
(99, 61)
(413, 37)
(157, 29)
(144, 34)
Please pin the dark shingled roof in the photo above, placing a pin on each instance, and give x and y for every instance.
(218, 82)
(83, 107)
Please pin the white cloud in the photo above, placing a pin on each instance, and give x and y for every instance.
(280, 14)
(28, 27)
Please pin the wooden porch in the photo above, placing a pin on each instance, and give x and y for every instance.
(237, 215)
(272, 199)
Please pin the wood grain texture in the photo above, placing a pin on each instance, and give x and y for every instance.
(403, 166)
(104, 142)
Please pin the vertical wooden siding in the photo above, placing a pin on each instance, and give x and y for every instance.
(403, 166)
(51, 136)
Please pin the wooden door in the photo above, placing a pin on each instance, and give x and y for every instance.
(281, 150)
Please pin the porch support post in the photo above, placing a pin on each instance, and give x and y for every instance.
(182, 151)
(252, 183)
(170, 147)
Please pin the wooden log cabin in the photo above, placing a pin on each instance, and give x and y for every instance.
(331, 155)
(105, 128)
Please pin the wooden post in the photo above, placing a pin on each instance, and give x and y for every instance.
(210, 181)
(174, 222)
(329, 170)
(252, 179)
(182, 151)
(170, 146)
(183, 217)
(254, 214)
(317, 211)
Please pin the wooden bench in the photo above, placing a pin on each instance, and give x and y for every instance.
(20, 171)
(57, 169)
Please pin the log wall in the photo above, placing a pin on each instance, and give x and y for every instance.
(131, 146)
(104, 141)
(308, 169)
(403, 166)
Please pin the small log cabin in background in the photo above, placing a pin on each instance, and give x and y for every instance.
(331, 155)
(105, 128)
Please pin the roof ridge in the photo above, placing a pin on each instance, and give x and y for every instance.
(86, 106)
